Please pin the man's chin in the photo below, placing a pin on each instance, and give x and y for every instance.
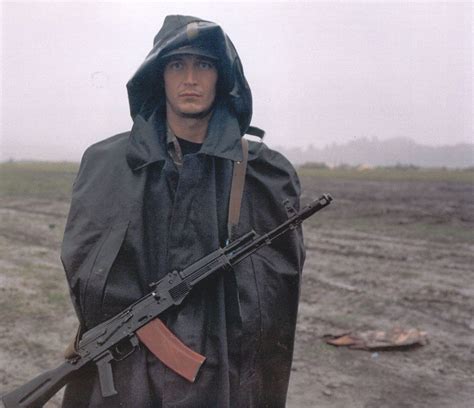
(195, 114)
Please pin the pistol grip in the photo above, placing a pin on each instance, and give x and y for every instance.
(106, 377)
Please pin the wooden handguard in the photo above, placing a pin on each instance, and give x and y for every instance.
(170, 350)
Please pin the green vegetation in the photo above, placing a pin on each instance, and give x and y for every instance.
(395, 173)
(44, 180)
(53, 180)
(440, 232)
(58, 298)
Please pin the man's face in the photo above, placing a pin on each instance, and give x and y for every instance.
(190, 85)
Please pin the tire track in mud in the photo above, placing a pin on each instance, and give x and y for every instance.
(411, 273)
(32, 211)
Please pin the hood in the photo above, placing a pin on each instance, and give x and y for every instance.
(146, 90)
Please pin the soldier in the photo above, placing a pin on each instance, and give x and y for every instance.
(161, 196)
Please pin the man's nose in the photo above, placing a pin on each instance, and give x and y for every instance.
(190, 77)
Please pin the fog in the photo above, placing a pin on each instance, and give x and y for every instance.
(320, 72)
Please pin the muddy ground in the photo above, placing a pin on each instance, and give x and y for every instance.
(384, 254)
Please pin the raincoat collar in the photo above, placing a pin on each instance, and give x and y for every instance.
(148, 139)
(146, 145)
(223, 135)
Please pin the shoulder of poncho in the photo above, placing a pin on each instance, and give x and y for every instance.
(259, 152)
(103, 160)
(111, 147)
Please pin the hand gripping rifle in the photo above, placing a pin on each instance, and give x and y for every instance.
(118, 337)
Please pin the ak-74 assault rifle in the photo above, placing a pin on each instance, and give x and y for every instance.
(118, 337)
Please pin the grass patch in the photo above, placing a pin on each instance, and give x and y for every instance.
(438, 232)
(58, 298)
(389, 174)
(43, 180)
(442, 233)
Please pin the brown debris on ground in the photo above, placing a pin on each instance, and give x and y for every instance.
(396, 338)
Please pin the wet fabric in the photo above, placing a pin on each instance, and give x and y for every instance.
(134, 217)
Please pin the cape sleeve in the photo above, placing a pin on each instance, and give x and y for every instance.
(269, 282)
(82, 233)
(273, 191)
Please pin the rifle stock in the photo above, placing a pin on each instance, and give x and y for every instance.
(38, 391)
(104, 342)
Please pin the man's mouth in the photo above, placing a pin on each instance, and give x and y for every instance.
(189, 95)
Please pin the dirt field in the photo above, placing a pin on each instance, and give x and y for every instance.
(389, 251)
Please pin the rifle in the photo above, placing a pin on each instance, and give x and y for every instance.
(118, 337)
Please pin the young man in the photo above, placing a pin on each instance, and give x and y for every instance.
(190, 89)
(156, 199)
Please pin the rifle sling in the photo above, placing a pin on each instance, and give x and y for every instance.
(237, 189)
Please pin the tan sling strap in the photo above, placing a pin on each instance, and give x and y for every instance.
(237, 190)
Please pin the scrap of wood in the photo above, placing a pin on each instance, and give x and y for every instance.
(395, 338)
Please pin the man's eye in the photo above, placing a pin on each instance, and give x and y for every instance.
(175, 65)
(206, 65)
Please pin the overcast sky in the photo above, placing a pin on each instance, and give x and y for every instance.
(320, 72)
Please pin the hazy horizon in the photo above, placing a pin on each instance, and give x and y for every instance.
(320, 72)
